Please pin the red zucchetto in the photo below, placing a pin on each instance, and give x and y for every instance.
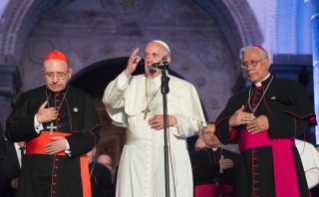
(57, 55)
(262, 48)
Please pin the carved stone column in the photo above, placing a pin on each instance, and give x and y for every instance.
(10, 84)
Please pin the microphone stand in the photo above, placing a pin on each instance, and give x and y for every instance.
(165, 91)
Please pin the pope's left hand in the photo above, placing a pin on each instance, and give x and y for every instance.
(57, 146)
(258, 125)
(157, 122)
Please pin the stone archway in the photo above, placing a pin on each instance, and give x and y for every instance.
(203, 35)
(193, 28)
(91, 32)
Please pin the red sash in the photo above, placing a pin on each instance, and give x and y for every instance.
(284, 164)
(36, 146)
(211, 190)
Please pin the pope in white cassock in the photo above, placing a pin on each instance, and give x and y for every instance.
(135, 102)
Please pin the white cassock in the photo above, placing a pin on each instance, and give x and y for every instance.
(310, 161)
(141, 169)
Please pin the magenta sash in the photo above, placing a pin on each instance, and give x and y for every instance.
(283, 160)
(211, 190)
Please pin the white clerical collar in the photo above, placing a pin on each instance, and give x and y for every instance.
(214, 149)
(259, 83)
(152, 78)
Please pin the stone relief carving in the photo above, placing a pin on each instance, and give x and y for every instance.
(214, 104)
(39, 49)
(127, 7)
(129, 4)
(214, 55)
(86, 55)
(108, 148)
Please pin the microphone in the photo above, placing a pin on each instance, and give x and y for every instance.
(154, 66)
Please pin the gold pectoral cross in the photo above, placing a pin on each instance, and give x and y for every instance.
(145, 111)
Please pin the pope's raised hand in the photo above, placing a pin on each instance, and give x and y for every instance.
(240, 117)
(46, 114)
(132, 63)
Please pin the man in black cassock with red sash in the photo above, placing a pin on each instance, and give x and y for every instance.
(264, 119)
(60, 125)
(214, 169)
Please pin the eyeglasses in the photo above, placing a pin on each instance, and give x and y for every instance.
(253, 63)
(59, 75)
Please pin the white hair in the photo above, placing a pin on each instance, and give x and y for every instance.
(163, 44)
(261, 52)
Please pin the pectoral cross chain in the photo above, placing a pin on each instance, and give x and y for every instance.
(146, 112)
(51, 127)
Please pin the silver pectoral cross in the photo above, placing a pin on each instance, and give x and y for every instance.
(216, 180)
(51, 127)
(146, 112)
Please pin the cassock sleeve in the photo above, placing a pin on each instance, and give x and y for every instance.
(186, 126)
(297, 115)
(190, 118)
(85, 130)
(222, 122)
(310, 161)
(312, 177)
(113, 99)
(203, 171)
(20, 124)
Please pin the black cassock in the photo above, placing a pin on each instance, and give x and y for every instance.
(63, 175)
(208, 181)
(2, 144)
(289, 112)
(9, 169)
(101, 180)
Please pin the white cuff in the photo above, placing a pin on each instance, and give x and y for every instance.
(122, 80)
(220, 169)
(38, 127)
(67, 149)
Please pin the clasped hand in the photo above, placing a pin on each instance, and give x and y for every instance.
(58, 145)
(254, 125)
(157, 122)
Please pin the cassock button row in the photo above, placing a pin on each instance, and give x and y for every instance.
(57, 94)
(54, 183)
(56, 159)
(57, 100)
(59, 126)
(55, 175)
(59, 119)
(56, 167)
(57, 107)
(54, 192)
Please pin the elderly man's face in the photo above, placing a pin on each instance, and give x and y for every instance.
(255, 72)
(56, 74)
(154, 52)
(105, 160)
(209, 137)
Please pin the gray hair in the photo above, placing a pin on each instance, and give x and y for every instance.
(261, 52)
(167, 50)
